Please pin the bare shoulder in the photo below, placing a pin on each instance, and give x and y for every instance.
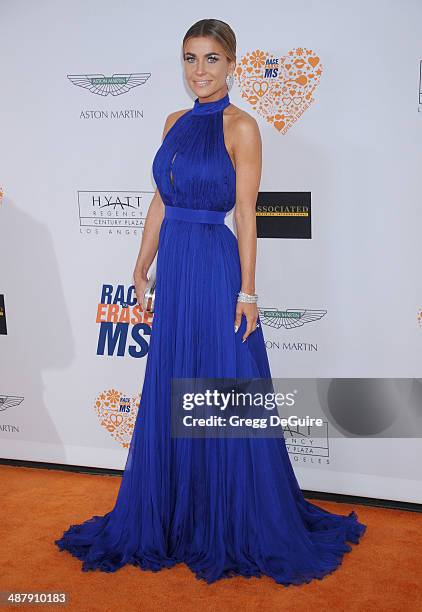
(246, 127)
(172, 118)
(241, 130)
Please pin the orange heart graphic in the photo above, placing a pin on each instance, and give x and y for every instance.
(279, 88)
(117, 413)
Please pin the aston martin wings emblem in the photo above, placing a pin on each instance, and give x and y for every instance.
(7, 401)
(290, 318)
(115, 85)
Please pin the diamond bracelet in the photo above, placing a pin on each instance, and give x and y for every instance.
(247, 297)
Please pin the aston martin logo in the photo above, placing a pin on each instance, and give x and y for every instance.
(7, 401)
(291, 318)
(115, 85)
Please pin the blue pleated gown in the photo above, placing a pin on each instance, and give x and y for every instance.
(222, 506)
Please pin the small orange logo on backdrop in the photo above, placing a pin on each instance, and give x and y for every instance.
(279, 88)
(117, 413)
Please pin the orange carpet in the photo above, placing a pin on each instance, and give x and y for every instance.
(383, 572)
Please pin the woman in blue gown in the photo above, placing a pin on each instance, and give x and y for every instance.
(223, 506)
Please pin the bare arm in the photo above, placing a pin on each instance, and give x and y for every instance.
(149, 242)
(154, 218)
(150, 235)
(247, 147)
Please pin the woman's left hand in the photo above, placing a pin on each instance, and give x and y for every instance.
(251, 313)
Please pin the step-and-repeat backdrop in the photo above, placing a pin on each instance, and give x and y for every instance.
(336, 91)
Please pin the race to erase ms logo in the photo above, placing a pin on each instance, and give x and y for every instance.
(280, 89)
(117, 413)
(124, 328)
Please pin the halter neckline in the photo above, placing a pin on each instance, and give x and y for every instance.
(206, 108)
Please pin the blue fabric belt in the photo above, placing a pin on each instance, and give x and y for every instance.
(194, 215)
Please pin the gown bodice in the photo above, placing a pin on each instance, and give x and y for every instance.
(192, 167)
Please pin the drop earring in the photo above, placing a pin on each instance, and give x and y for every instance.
(229, 80)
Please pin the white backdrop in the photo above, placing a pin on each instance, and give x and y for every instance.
(71, 158)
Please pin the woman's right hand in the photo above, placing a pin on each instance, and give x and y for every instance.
(140, 283)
